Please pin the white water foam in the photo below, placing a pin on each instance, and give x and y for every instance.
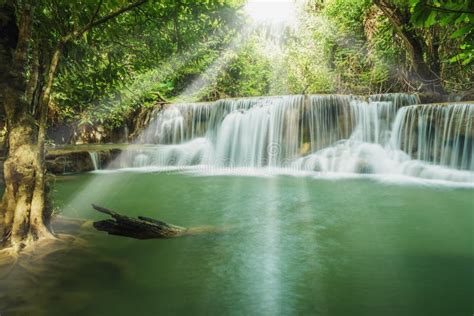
(313, 135)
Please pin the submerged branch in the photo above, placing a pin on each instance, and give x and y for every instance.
(141, 228)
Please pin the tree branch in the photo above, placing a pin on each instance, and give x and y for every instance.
(414, 44)
(96, 11)
(440, 9)
(102, 20)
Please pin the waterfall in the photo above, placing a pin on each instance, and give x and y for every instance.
(266, 134)
(177, 123)
(95, 158)
(125, 133)
(380, 134)
(440, 133)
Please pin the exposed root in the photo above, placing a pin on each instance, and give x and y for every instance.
(8, 259)
(31, 251)
(30, 278)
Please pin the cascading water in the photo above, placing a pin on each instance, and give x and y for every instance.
(95, 159)
(178, 123)
(266, 134)
(442, 134)
(382, 134)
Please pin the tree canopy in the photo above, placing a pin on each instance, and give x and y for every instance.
(158, 50)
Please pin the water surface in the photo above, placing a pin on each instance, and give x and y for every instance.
(291, 246)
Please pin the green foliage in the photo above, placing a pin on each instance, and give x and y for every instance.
(348, 15)
(457, 16)
(356, 48)
(306, 58)
(246, 72)
(141, 56)
(165, 49)
(347, 60)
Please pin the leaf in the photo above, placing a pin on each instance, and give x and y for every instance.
(462, 18)
(461, 32)
(431, 19)
(467, 61)
(418, 15)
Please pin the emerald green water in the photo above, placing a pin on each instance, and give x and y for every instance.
(290, 246)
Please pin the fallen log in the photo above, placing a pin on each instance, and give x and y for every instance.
(141, 228)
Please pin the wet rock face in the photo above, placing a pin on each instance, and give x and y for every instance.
(132, 126)
(78, 161)
(468, 96)
(107, 158)
(73, 162)
(364, 167)
(428, 98)
(70, 134)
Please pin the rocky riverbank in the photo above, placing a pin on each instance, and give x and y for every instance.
(85, 158)
(75, 159)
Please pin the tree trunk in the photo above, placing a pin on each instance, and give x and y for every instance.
(39, 215)
(23, 206)
(33, 79)
(22, 167)
(429, 78)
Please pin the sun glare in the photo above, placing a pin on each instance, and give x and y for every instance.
(271, 10)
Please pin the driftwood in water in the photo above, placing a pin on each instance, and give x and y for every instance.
(141, 228)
